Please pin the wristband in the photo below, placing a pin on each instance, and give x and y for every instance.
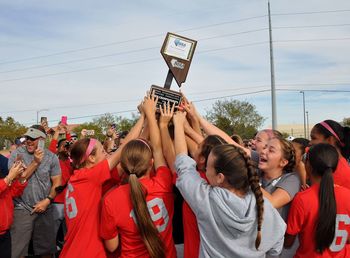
(50, 198)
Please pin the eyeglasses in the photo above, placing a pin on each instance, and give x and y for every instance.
(31, 139)
(305, 157)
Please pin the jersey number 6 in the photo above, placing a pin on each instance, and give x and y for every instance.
(71, 206)
(340, 233)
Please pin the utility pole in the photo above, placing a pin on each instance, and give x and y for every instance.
(304, 114)
(307, 124)
(272, 69)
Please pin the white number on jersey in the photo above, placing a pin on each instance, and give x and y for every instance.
(157, 210)
(340, 233)
(71, 206)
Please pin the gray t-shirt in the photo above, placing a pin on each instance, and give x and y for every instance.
(227, 223)
(39, 184)
(290, 182)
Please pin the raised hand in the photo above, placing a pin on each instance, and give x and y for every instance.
(38, 155)
(179, 118)
(149, 104)
(166, 113)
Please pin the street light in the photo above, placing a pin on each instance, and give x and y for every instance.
(37, 114)
(302, 92)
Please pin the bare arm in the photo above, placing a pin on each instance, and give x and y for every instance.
(112, 244)
(278, 198)
(211, 129)
(149, 107)
(32, 167)
(166, 113)
(192, 116)
(192, 146)
(197, 137)
(180, 141)
(133, 134)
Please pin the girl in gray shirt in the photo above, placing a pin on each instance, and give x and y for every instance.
(234, 219)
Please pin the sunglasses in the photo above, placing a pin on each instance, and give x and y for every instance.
(31, 139)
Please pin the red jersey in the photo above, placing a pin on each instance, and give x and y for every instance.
(341, 175)
(191, 231)
(82, 212)
(6, 203)
(302, 219)
(66, 170)
(118, 216)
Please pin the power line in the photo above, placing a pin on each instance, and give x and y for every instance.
(154, 59)
(312, 26)
(129, 40)
(313, 12)
(121, 53)
(306, 40)
(153, 48)
(121, 64)
(214, 91)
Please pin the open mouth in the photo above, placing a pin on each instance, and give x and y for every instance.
(262, 160)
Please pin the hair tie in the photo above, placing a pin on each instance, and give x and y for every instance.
(325, 125)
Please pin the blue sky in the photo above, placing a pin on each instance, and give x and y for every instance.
(83, 58)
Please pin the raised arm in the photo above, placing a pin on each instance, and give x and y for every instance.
(192, 116)
(180, 140)
(149, 107)
(113, 159)
(211, 129)
(166, 114)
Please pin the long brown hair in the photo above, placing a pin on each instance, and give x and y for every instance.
(288, 152)
(78, 153)
(135, 160)
(240, 173)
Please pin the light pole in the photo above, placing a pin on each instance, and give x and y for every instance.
(307, 124)
(302, 92)
(37, 114)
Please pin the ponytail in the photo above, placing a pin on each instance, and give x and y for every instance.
(345, 151)
(325, 225)
(135, 161)
(148, 231)
(323, 160)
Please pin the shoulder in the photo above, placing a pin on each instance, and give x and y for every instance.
(290, 179)
(342, 191)
(184, 162)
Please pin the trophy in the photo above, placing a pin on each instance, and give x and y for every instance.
(177, 52)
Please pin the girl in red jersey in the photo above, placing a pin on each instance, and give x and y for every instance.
(138, 215)
(83, 195)
(333, 133)
(320, 215)
(10, 187)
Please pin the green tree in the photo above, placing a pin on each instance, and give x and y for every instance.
(9, 131)
(346, 121)
(233, 116)
(102, 123)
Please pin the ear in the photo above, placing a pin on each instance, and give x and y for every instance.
(202, 160)
(331, 140)
(91, 159)
(151, 162)
(283, 162)
(220, 178)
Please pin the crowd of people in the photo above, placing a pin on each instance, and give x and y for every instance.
(176, 185)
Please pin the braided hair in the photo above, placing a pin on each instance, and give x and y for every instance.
(239, 172)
